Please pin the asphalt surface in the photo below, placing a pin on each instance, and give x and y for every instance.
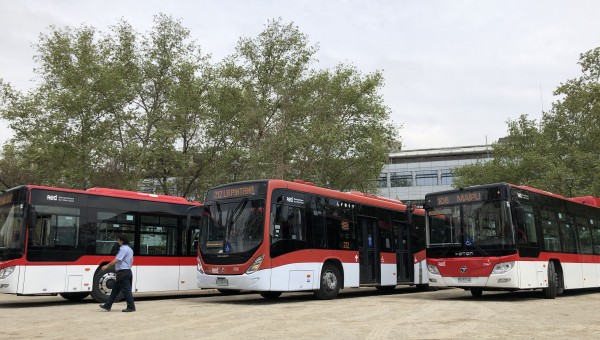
(362, 313)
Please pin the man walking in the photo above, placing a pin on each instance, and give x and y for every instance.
(122, 263)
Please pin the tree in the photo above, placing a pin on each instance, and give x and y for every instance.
(292, 121)
(121, 108)
(564, 144)
(112, 109)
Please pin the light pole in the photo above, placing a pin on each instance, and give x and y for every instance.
(569, 181)
(235, 165)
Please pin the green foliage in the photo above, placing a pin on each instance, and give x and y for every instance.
(120, 108)
(324, 126)
(564, 144)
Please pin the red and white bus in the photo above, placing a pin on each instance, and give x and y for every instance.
(275, 236)
(54, 241)
(510, 237)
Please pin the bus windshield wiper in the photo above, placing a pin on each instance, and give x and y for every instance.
(237, 211)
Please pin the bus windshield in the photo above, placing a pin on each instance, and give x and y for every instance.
(11, 231)
(476, 225)
(232, 227)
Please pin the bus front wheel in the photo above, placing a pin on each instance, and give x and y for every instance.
(75, 297)
(104, 281)
(550, 292)
(330, 282)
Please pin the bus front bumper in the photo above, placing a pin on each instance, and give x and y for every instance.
(508, 280)
(9, 278)
(259, 281)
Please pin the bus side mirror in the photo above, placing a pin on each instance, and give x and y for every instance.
(189, 217)
(520, 216)
(31, 217)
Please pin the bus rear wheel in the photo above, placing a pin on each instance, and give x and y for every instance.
(75, 297)
(550, 292)
(104, 281)
(330, 282)
(270, 295)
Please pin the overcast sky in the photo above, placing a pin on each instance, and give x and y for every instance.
(455, 71)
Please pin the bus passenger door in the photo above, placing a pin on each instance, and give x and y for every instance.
(403, 258)
(368, 250)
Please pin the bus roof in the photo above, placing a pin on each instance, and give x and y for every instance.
(122, 194)
(587, 200)
(309, 187)
(355, 196)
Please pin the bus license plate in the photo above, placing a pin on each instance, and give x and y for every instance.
(464, 280)
(222, 282)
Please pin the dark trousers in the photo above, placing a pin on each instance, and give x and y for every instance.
(123, 284)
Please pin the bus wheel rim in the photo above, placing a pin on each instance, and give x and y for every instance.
(106, 282)
(330, 280)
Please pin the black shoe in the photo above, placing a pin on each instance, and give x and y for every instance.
(128, 310)
(103, 306)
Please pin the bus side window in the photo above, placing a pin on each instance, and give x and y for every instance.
(595, 231)
(585, 239)
(315, 225)
(551, 240)
(526, 231)
(568, 239)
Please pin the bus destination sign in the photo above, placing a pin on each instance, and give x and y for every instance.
(233, 191)
(457, 198)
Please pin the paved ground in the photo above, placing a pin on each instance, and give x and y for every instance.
(356, 314)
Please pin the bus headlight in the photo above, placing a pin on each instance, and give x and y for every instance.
(255, 265)
(199, 267)
(503, 267)
(432, 269)
(6, 271)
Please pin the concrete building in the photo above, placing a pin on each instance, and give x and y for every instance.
(411, 174)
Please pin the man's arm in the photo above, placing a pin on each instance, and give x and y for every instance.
(110, 264)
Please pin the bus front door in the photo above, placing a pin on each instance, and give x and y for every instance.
(368, 250)
(403, 258)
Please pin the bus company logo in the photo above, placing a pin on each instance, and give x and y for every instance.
(294, 200)
(463, 269)
(463, 253)
(442, 264)
(60, 198)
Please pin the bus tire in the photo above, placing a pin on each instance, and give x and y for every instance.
(270, 295)
(104, 281)
(74, 297)
(560, 283)
(476, 292)
(229, 291)
(330, 282)
(550, 292)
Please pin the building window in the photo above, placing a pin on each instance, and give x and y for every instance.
(382, 181)
(447, 177)
(426, 177)
(401, 179)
